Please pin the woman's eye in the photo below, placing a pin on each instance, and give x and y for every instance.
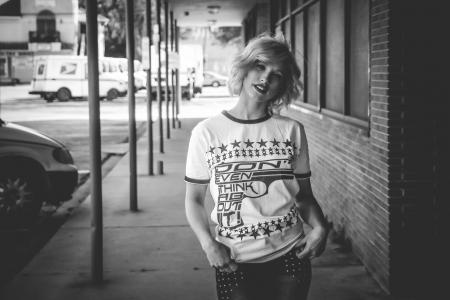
(277, 76)
(260, 67)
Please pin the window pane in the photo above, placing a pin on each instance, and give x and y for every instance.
(359, 58)
(3, 66)
(296, 3)
(283, 7)
(335, 55)
(287, 31)
(312, 45)
(299, 46)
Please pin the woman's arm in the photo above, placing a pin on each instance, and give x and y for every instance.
(216, 253)
(314, 242)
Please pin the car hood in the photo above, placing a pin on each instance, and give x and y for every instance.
(15, 132)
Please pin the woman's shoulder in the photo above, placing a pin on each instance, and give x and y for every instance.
(210, 123)
(286, 121)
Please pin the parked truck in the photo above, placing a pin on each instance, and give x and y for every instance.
(64, 77)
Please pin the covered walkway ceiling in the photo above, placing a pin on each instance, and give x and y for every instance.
(211, 13)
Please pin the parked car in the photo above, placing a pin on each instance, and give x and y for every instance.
(214, 79)
(64, 77)
(33, 168)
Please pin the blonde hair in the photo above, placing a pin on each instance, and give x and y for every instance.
(265, 48)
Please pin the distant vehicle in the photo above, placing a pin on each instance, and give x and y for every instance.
(214, 79)
(33, 168)
(189, 64)
(117, 68)
(64, 77)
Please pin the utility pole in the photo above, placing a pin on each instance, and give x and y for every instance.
(158, 92)
(95, 144)
(148, 15)
(172, 48)
(166, 37)
(177, 75)
(131, 105)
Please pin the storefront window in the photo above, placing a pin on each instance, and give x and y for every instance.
(330, 41)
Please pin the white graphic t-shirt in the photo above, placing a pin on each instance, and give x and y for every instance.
(252, 167)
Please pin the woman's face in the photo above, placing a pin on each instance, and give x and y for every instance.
(263, 82)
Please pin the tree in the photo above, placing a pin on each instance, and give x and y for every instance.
(115, 35)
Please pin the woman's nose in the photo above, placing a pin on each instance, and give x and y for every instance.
(264, 77)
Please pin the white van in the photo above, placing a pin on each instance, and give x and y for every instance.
(117, 67)
(64, 77)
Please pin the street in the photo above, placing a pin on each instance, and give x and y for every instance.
(16, 105)
(69, 123)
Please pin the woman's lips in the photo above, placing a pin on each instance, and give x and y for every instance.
(261, 88)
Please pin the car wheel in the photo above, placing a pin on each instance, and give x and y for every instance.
(49, 97)
(21, 194)
(215, 84)
(112, 94)
(63, 94)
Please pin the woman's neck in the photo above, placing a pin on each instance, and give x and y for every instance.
(249, 110)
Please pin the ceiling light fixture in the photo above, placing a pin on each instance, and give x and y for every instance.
(213, 9)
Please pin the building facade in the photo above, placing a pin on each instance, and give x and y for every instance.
(34, 27)
(374, 83)
(40, 27)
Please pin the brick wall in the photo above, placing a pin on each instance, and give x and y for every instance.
(350, 182)
(417, 80)
(383, 186)
(351, 165)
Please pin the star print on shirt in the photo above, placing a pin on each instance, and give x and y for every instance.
(223, 148)
(241, 235)
(267, 231)
(211, 149)
(288, 143)
(262, 143)
(254, 233)
(275, 142)
(279, 227)
(248, 144)
(289, 223)
(235, 144)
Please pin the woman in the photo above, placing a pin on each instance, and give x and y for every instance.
(257, 165)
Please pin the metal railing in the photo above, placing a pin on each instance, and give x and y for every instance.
(44, 37)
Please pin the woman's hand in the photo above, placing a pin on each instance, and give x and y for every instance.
(219, 257)
(313, 244)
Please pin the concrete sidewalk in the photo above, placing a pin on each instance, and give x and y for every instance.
(153, 254)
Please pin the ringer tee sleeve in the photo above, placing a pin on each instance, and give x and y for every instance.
(301, 163)
(197, 170)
